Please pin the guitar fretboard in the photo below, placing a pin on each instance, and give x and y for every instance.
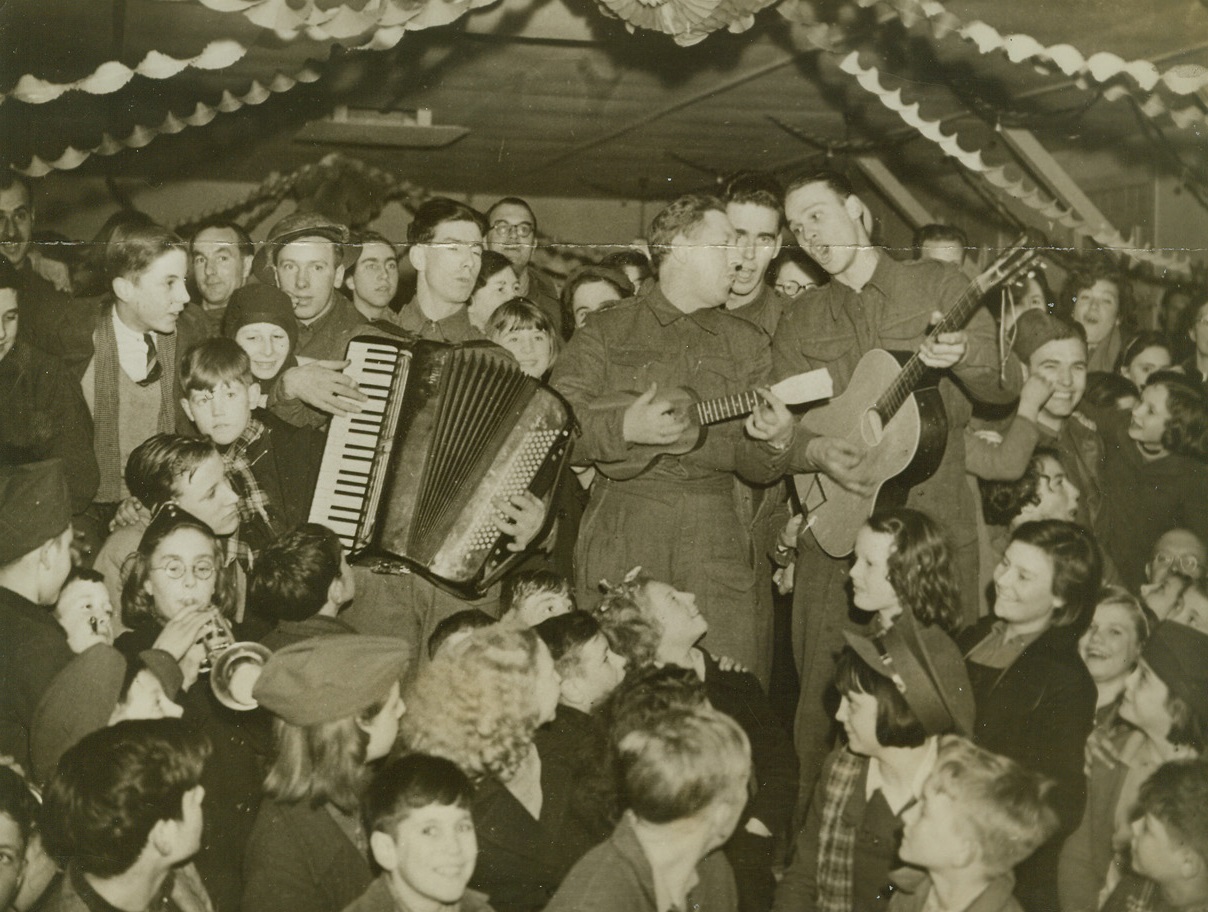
(912, 372)
(723, 408)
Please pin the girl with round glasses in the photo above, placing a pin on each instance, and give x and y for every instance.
(174, 584)
(176, 595)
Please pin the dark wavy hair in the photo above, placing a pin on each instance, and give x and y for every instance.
(112, 787)
(1077, 567)
(1186, 431)
(1142, 341)
(1003, 501)
(435, 212)
(1083, 278)
(920, 567)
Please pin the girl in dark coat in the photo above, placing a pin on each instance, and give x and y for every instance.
(1035, 698)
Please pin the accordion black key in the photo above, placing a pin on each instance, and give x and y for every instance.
(413, 481)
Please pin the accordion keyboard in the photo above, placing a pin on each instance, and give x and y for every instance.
(346, 472)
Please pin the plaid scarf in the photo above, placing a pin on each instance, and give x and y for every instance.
(837, 839)
(238, 459)
(106, 421)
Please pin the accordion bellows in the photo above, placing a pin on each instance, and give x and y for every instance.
(449, 432)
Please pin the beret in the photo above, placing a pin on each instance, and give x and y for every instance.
(331, 677)
(35, 506)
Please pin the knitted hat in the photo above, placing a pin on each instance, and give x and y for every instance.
(327, 678)
(35, 507)
(927, 668)
(1035, 328)
(295, 227)
(258, 303)
(1178, 654)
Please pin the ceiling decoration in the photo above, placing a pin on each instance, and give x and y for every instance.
(113, 75)
(1036, 199)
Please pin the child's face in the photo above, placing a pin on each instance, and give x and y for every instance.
(383, 728)
(676, 613)
(1191, 609)
(869, 573)
(599, 671)
(223, 412)
(533, 348)
(183, 572)
(1150, 416)
(434, 849)
(85, 612)
(146, 700)
(1144, 702)
(12, 860)
(267, 345)
(208, 495)
(857, 714)
(541, 606)
(1109, 647)
(935, 832)
(1156, 851)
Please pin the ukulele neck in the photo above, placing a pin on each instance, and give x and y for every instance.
(723, 408)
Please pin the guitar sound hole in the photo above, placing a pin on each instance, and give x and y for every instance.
(872, 427)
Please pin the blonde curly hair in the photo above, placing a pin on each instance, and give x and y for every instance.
(627, 618)
(476, 702)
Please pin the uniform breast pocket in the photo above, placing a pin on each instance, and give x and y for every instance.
(903, 333)
(634, 368)
(716, 375)
(823, 351)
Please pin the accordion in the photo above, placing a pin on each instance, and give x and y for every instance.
(411, 483)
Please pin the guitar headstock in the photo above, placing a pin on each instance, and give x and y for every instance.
(1014, 261)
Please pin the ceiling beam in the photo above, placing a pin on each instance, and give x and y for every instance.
(678, 105)
(1025, 144)
(894, 191)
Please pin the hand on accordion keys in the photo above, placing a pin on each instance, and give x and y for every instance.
(523, 516)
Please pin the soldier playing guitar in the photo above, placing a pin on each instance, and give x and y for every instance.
(872, 302)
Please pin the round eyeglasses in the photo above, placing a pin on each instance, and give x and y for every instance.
(175, 569)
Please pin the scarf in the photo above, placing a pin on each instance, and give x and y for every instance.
(106, 421)
(837, 839)
(254, 518)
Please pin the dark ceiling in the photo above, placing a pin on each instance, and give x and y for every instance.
(561, 100)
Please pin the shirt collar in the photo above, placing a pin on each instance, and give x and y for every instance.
(875, 781)
(666, 312)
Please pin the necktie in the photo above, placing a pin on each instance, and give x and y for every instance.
(154, 370)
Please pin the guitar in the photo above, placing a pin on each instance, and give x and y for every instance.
(797, 390)
(891, 410)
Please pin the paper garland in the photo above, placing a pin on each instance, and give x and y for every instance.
(385, 21)
(1102, 67)
(140, 136)
(1036, 199)
(111, 76)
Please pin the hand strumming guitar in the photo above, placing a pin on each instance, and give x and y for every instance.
(946, 349)
(841, 461)
(652, 420)
(771, 421)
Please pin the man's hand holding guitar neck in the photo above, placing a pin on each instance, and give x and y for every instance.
(652, 420)
(944, 350)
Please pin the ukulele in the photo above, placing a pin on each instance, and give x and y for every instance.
(892, 411)
(700, 413)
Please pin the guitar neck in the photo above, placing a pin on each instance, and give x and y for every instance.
(1010, 264)
(723, 408)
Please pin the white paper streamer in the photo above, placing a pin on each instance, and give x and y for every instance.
(381, 23)
(141, 136)
(1103, 67)
(1105, 235)
(111, 76)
